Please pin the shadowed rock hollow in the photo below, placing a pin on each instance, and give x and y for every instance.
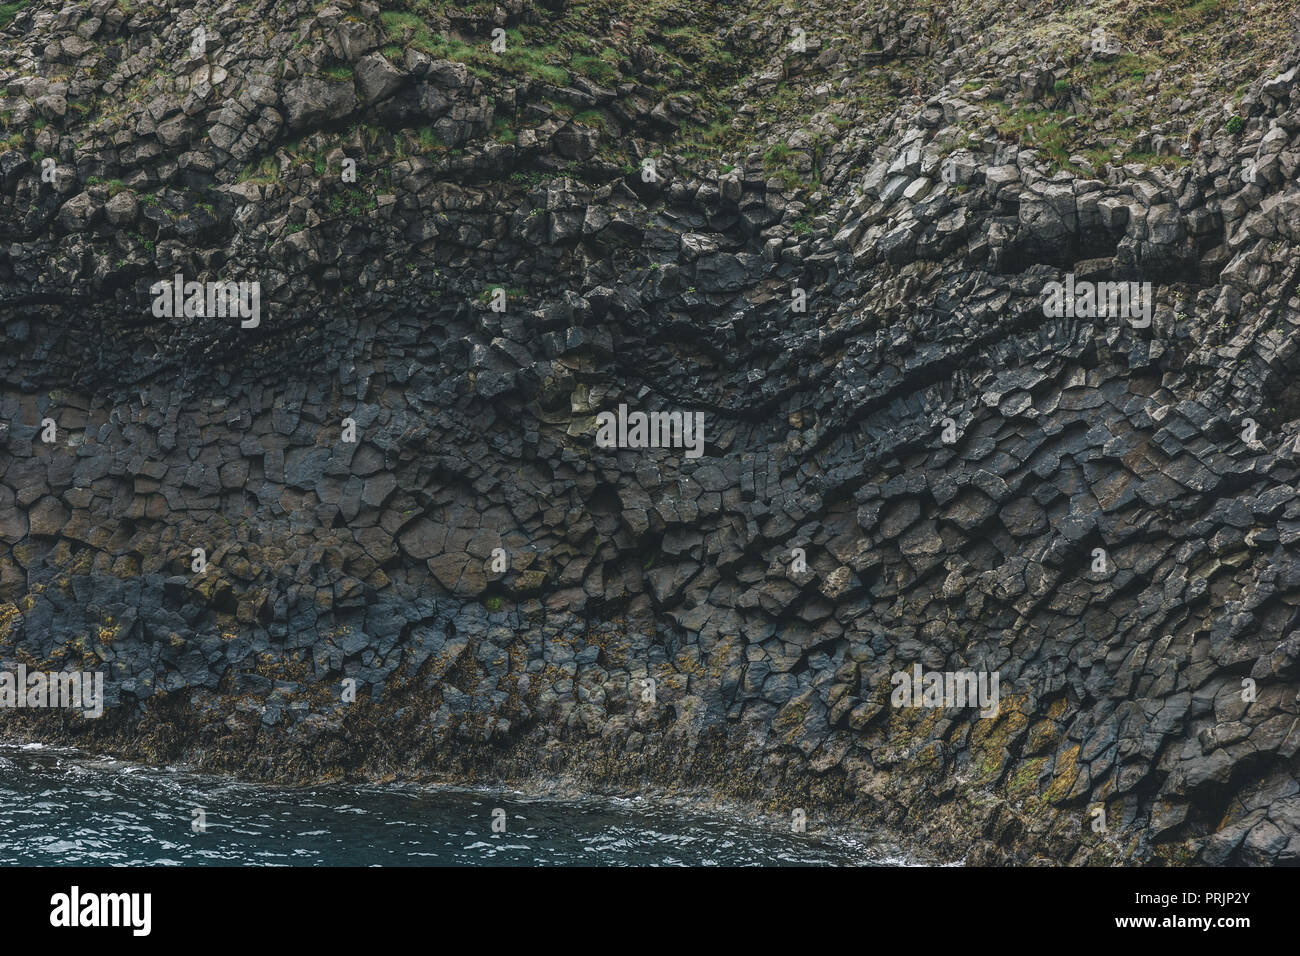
(656, 189)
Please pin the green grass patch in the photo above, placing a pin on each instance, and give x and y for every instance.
(592, 118)
(397, 24)
(775, 156)
(115, 186)
(264, 171)
(1037, 129)
(503, 131)
(352, 203)
(598, 69)
(10, 10)
(522, 56)
(426, 140)
(1180, 13)
(1151, 159)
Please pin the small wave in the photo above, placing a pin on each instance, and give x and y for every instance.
(69, 808)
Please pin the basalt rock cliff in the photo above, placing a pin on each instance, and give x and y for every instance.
(827, 227)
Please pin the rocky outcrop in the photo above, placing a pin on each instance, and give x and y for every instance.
(394, 474)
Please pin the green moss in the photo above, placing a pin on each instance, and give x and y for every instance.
(789, 722)
(1025, 777)
(1066, 772)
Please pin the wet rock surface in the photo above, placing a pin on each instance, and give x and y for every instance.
(917, 467)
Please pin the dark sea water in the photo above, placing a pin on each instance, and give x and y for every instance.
(58, 807)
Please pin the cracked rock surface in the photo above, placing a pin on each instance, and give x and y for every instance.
(1113, 528)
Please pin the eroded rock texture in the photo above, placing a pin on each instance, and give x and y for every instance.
(880, 177)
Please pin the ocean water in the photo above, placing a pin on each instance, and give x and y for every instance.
(60, 807)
